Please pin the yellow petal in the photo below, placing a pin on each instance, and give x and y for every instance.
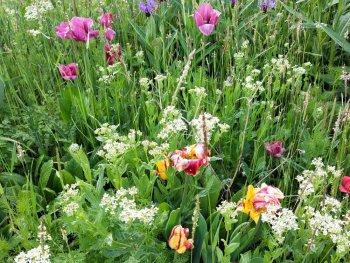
(162, 168)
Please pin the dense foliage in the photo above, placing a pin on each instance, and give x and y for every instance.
(184, 131)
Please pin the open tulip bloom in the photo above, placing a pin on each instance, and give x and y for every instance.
(190, 159)
(260, 200)
(78, 28)
(68, 72)
(178, 239)
(206, 18)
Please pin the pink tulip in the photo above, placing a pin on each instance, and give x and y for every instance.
(79, 29)
(106, 20)
(68, 72)
(206, 18)
(275, 149)
(345, 185)
(113, 53)
(109, 34)
(267, 197)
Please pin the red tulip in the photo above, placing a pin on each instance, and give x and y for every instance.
(68, 72)
(275, 149)
(345, 185)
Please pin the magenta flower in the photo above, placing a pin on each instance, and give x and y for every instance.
(113, 52)
(106, 20)
(79, 29)
(206, 18)
(275, 149)
(68, 72)
(109, 34)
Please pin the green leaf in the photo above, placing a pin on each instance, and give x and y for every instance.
(80, 157)
(45, 173)
(174, 219)
(199, 237)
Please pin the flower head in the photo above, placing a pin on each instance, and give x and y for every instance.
(162, 168)
(68, 72)
(233, 3)
(106, 20)
(147, 7)
(79, 29)
(345, 185)
(178, 239)
(206, 18)
(113, 53)
(260, 200)
(275, 149)
(109, 34)
(267, 4)
(190, 159)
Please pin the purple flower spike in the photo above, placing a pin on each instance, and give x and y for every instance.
(147, 7)
(233, 3)
(267, 4)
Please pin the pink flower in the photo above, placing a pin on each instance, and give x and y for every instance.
(109, 34)
(68, 72)
(267, 197)
(106, 20)
(345, 185)
(79, 29)
(206, 18)
(275, 149)
(190, 159)
(113, 52)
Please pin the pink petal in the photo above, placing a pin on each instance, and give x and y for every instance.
(109, 34)
(205, 10)
(206, 29)
(214, 17)
(198, 19)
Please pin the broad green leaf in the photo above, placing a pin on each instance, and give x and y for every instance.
(45, 173)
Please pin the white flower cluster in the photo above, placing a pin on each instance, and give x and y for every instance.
(252, 85)
(38, 9)
(280, 64)
(212, 123)
(198, 92)
(34, 32)
(108, 74)
(74, 148)
(309, 178)
(68, 199)
(125, 208)
(115, 145)
(331, 205)
(327, 226)
(172, 123)
(227, 209)
(281, 222)
(40, 254)
(154, 148)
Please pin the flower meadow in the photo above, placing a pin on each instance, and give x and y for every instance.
(174, 131)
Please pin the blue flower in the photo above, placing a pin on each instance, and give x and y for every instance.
(267, 4)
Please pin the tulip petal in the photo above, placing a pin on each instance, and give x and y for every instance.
(206, 29)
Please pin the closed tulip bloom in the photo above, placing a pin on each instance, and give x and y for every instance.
(178, 239)
(275, 149)
(79, 29)
(206, 18)
(345, 185)
(106, 20)
(68, 72)
(109, 34)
